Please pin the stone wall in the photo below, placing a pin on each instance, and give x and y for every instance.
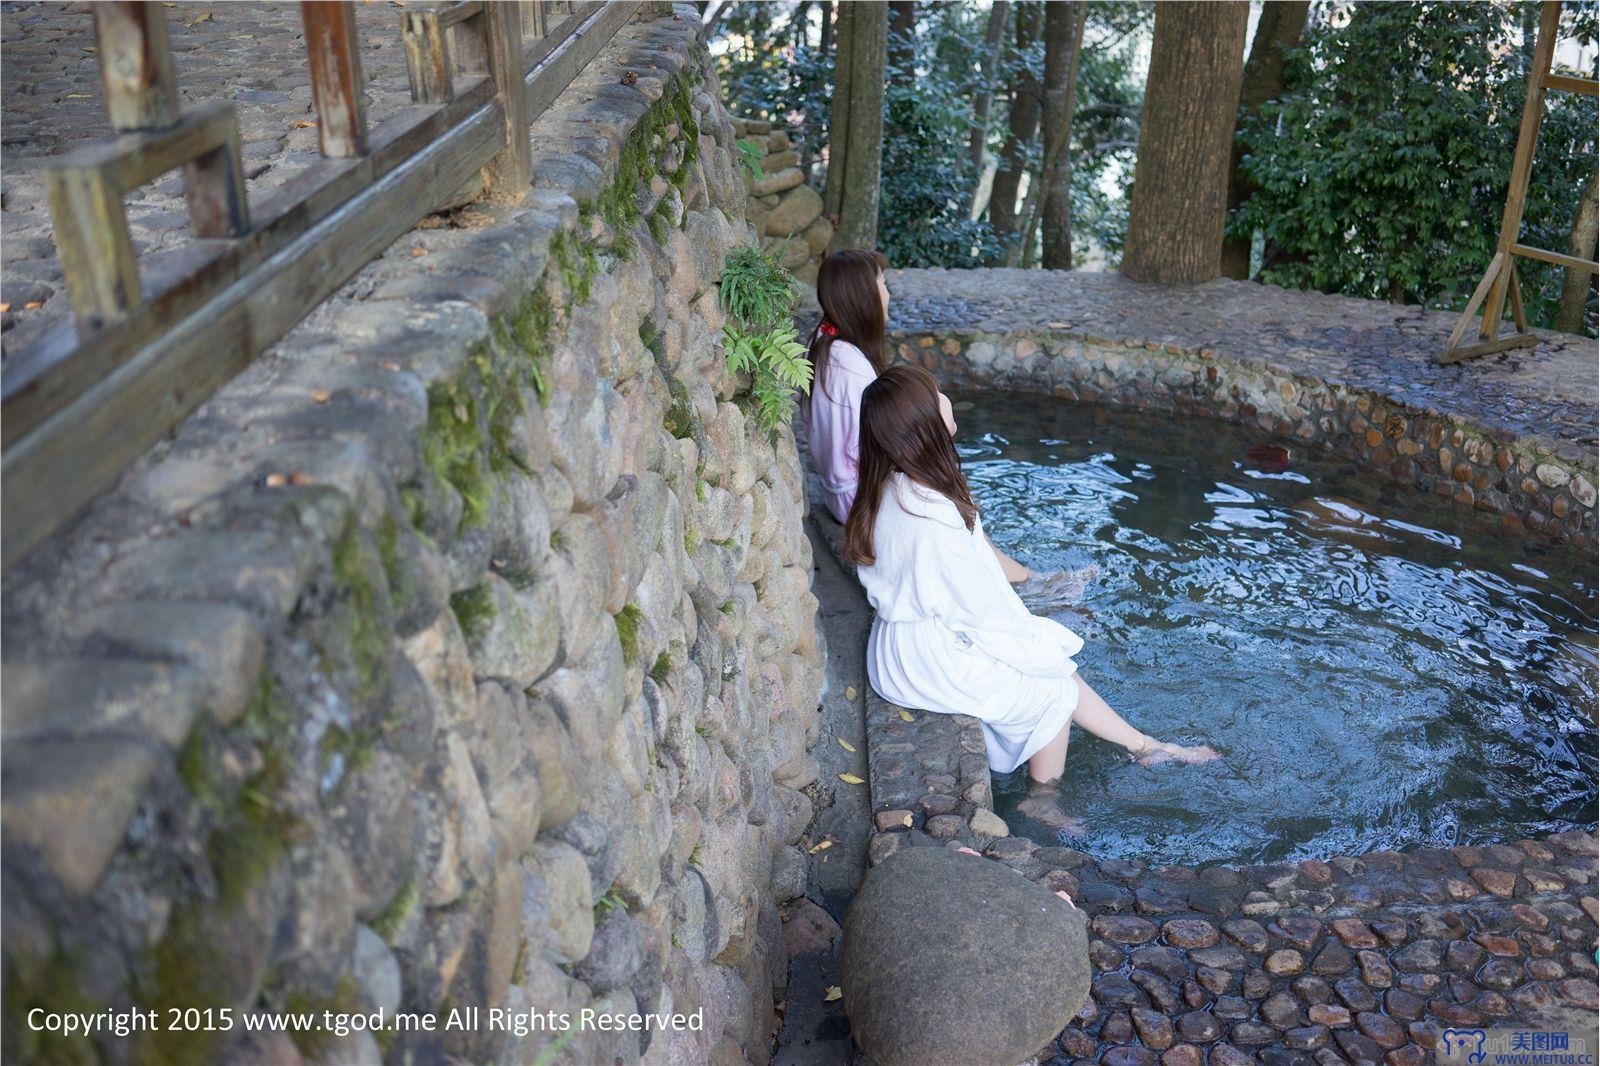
(785, 211)
(458, 653)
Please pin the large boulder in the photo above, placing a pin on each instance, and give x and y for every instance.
(953, 960)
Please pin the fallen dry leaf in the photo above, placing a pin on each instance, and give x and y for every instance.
(33, 305)
(845, 744)
(849, 692)
(390, 365)
(824, 846)
(833, 993)
(851, 779)
(1058, 325)
(4, 307)
(277, 481)
(969, 851)
(905, 716)
(320, 395)
(906, 821)
(204, 16)
(300, 477)
(303, 125)
(419, 250)
(630, 78)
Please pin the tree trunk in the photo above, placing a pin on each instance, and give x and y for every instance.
(1063, 41)
(1282, 23)
(1023, 122)
(903, 42)
(1180, 183)
(1581, 243)
(855, 135)
(979, 137)
(826, 42)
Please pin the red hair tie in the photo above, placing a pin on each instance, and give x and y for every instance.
(827, 329)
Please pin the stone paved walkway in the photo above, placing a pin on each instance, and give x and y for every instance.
(1547, 390)
(250, 53)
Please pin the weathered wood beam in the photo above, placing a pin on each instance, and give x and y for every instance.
(336, 86)
(135, 64)
(91, 232)
(49, 474)
(573, 50)
(1560, 259)
(1567, 83)
(45, 377)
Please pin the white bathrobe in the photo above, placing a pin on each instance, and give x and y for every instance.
(951, 635)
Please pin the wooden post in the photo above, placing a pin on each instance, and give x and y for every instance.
(1522, 163)
(91, 233)
(336, 86)
(213, 188)
(428, 65)
(510, 172)
(136, 65)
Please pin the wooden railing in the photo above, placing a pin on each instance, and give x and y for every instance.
(142, 352)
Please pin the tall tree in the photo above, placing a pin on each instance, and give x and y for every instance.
(993, 31)
(1022, 125)
(1282, 23)
(1180, 184)
(1581, 242)
(855, 129)
(903, 42)
(1063, 41)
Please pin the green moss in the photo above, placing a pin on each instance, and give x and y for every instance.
(474, 609)
(368, 633)
(251, 837)
(660, 223)
(180, 972)
(453, 448)
(627, 621)
(700, 491)
(194, 768)
(680, 419)
(354, 745)
(662, 668)
(398, 909)
(51, 986)
(691, 541)
(316, 1040)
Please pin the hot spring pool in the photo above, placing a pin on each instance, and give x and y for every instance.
(1379, 669)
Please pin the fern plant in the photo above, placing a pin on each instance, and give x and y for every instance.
(759, 337)
(751, 154)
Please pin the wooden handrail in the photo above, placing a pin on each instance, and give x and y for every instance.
(143, 352)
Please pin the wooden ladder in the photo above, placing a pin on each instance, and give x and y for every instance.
(1501, 276)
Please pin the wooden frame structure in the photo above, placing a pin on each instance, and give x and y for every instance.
(1501, 277)
(147, 347)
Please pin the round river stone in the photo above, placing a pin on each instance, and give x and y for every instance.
(951, 960)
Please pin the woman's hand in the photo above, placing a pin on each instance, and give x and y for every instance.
(1053, 590)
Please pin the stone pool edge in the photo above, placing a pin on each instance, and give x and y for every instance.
(1533, 482)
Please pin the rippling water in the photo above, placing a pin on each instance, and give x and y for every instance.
(1377, 668)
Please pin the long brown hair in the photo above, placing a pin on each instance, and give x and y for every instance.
(902, 429)
(847, 289)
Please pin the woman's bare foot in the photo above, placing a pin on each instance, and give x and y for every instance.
(1156, 752)
(1042, 805)
(1055, 590)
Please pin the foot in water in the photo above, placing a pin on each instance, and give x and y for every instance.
(1043, 805)
(1056, 589)
(1159, 752)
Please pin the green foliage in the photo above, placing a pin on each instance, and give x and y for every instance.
(474, 610)
(662, 668)
(607, 903)
(759, 337)
(750, 154)
(1383, 169)
(776, 69)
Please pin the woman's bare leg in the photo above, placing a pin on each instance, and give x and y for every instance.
(1095, 715)
(1044, 793)
(1048, 762)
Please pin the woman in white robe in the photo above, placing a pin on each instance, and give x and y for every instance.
(950, 634)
